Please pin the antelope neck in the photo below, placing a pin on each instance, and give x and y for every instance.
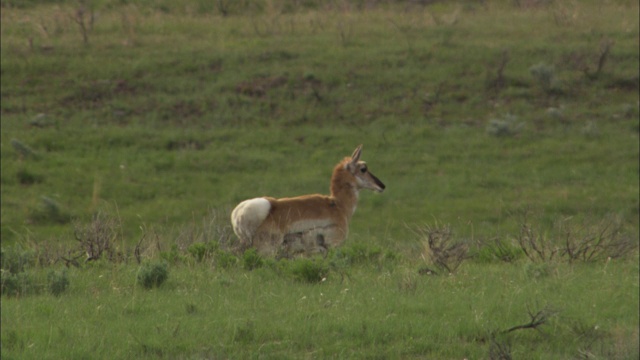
(344, 191)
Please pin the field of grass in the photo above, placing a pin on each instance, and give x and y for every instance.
(204, 313)
(508, 130)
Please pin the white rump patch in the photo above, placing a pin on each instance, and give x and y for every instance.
(248, 216)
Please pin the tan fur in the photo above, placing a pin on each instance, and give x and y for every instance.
(311, 224)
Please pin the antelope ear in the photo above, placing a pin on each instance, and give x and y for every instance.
(355, 157)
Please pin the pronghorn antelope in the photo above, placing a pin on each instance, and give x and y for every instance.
(308, 224)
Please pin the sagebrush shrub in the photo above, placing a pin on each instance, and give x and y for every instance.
(15, 278)
(225, 259)
(23, 150)
(57, 282)
(509, 125)
(545, 75)
(440, 247)
(497, 250)
(153, 275)
(199, 251)
(26, 177)
(49, 211)
(15, 259)
(309, 271)
(98, 238)
(536, 271)
(15, 284)
(574, 241)
(252, 260)
(172, 256)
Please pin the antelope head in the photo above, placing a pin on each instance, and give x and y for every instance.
(364, 178)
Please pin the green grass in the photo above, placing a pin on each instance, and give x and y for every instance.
(372, 313)
(172, 113)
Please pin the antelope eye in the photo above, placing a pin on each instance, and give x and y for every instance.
(363, 170)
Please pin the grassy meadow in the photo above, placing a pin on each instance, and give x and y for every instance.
(507, 133)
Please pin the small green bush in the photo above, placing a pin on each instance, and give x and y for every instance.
(49, 211)
(359, 253)
(252, 260)
(225, 260)
(57, 282)
(545, 75)
(153, 275)
(199, 251)
(26, 177)
(497, 250)
(98, 237)
(309, 270)
(15, 259)
(509, 125)
(173, 256)
(23, 150)
(536, 271)
(18, 284)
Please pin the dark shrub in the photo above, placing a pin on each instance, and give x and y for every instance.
(153, 275)
(309, 270)
(252, 260)
(57, 282)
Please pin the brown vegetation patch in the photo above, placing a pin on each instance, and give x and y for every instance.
(260, 86)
